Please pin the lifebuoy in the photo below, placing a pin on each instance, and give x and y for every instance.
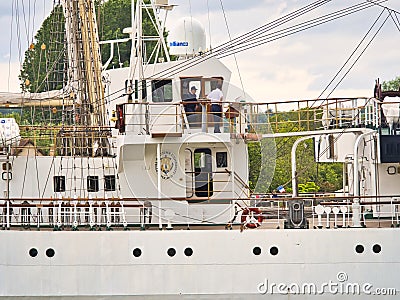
(252, 217)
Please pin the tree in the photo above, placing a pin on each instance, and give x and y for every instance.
(44, 66)
(391, 85)
(323, 176)
(114, 16)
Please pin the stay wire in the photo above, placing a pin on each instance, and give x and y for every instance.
(191, 62)
(199, 59)
(10, 48)
(234, 55)
(348, 59)
(209, 23)
(377, 3)
(356, 116)
(296, 29)
(397, 24)
(208, 55)
(358, 113)
(315, 101)
(273, 24)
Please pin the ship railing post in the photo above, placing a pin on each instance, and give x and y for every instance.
(312, 214)
(8, 213)
(142, 217)
(54, 212)
(39, 215)
(59, 214)
(123, 213)
(279, 211)
(108, 215)
(91, 217)
(392, 210)
(75, 222)
(204, 117)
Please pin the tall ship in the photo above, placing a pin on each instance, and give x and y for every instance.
(132, 182)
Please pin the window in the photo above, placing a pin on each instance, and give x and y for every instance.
(109, 183)
(187, 84)
(5, 167)
(161, 90)
(222, 160)
(199, 159)
(93, 183)
(211, 83)
(59, 183)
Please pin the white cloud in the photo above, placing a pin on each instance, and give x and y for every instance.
(298, 66)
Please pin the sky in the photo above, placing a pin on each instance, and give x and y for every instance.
(299, 66)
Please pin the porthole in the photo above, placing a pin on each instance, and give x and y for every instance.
(188, 251)
(171, 252)
(33, 252)
(50, 252)
(274, 250)
(359, 248)
(256, 250)
(137, 252)
(376, 248)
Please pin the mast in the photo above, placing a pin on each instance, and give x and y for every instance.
(84, 85)
(84, 59)
(138, 60)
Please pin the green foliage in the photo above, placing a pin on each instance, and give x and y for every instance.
(254, 151)
(114, 16)
(308, 187)
(327, 177)
(43, 66)
(391, 85)
(44, 69)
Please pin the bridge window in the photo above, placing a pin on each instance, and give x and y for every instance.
(93, 183)
(222, 159)
(109, 183)
(161, 90)
(187, 84)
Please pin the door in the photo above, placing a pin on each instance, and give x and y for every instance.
(203, 172)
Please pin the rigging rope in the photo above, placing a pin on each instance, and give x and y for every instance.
(184, 65)
(358, 113)
(220, 51)
(234, 55)
(348, 59)
(209, 24)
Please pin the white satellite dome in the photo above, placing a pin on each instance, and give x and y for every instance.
(188, 37)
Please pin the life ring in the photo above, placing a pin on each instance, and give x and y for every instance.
(252, 217)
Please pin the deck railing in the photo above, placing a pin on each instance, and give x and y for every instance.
(240, 119)
(69, 214)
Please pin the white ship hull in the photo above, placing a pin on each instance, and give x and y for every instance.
(101, 265)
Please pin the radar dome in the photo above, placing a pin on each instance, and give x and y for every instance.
(188, 37)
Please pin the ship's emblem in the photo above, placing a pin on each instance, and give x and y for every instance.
(168, 164)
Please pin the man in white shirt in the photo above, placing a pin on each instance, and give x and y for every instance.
(216, 97)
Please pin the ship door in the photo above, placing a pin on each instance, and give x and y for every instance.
(203, 172)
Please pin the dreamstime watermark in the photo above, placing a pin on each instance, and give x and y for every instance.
(340, 286)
